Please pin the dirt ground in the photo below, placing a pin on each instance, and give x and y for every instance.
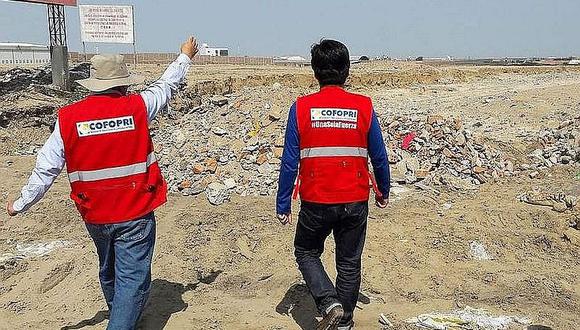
(232, 266)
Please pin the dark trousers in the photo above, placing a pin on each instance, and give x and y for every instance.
(348, 223)
(125, 251)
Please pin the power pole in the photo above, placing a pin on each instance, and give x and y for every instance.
(58, 47)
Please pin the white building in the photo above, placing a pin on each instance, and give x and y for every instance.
(19, 54)
(205, 49)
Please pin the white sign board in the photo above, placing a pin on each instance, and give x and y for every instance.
(104, 23)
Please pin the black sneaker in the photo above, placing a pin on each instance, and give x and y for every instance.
(331, 319)
(346, 327)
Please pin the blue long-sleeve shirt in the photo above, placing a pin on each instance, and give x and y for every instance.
(291, 159)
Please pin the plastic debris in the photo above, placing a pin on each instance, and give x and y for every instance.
(478, 251)
(385, 322)
(407, 140)
(468, 318)
(28, 250)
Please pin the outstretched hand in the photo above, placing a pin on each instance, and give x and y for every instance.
(189, 47)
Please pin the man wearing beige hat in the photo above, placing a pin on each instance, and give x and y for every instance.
(115, 180)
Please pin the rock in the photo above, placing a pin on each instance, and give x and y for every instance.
(479, 169)
(198, 168)
(265, 169)
(434, 119)
(230, 183)
(393, 125)
(559, 207)
(211, 165)
(534, 174)
(219, 100)
(262, 158)
(217, 193)
(184, 184)
(274, 115)
(276, 86)
(448, 153)
(565, 159)
(196, 189)
(219, 131)
(509, 166)
(460, 139)
(278, 152)
(573, 236)
(421, 173)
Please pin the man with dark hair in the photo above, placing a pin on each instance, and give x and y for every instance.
(331, 134)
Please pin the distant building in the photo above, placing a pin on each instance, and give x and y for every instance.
(358, 58)
(20, 54)
(205, 49)
(293, 60)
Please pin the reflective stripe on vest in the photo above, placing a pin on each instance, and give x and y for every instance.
(113, 172)
(333, 152)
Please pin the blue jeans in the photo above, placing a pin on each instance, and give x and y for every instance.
(125, 251)
(348, 224)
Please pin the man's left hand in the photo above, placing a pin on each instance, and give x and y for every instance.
(381, 202)
(10, 208)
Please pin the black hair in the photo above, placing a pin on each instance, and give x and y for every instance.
(330, 62)
(121, 89)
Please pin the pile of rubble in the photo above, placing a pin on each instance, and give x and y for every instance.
(220, 149)
(559, 145)
(27, 97)
(440, 151)
(18, 79)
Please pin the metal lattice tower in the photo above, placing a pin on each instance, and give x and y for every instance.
(58, 47)
(56, 25)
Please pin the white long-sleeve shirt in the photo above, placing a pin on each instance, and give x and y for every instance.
(50, 160)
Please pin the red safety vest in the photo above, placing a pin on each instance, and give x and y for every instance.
(110, 161)
(333, 126)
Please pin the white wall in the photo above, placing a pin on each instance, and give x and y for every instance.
(19, 57)
(209, 51)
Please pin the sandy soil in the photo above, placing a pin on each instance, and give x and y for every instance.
(232, 266)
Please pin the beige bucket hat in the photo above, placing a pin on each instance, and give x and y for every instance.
(108, 71)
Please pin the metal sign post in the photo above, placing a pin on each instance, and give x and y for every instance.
(58, 46)
(134, 39)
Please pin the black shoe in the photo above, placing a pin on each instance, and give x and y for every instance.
(346, 327)
(331, 319)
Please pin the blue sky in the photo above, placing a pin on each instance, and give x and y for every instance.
(460, 28)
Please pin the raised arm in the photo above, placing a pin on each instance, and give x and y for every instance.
(49, 164)
(158, 94)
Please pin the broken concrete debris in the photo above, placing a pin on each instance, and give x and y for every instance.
(441, 147)
(559, 202)
(467, 318)
(559, 146)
